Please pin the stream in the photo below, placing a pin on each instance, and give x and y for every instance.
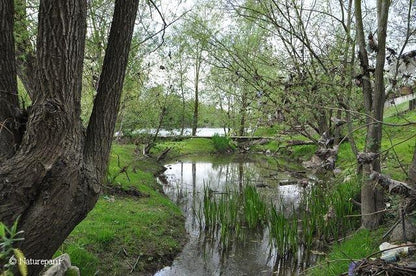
(280, 183)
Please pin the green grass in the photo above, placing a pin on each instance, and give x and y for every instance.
(189, 146)
(140, 173)
(346, 158)
(121, 229)
(82, 258)
(269, 131)
(356, 247)
(396, 109)
(280, 143)
(397, 146)
(303, 152)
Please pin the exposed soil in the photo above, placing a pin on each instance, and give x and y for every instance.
(120, 191)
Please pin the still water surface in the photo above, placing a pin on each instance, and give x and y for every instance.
(184, 183)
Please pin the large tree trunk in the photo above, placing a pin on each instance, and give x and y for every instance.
(53, 179)
(9, 105)
(102, 122)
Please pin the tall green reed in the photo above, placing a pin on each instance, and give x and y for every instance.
(321, 215)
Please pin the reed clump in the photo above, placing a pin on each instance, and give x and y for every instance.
(322, 215)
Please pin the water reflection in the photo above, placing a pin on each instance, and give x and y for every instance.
(184, 183)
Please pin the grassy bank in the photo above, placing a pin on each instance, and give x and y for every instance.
(191, 146)
(128, 233)
(355, 247)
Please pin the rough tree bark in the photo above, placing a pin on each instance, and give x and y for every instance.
(9, 105)
(372, 197)
(53, 178)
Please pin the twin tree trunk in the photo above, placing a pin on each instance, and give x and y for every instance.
(50, 168)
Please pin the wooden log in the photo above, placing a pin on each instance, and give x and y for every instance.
(292, 143)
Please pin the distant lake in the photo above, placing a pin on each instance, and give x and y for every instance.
(203, 132)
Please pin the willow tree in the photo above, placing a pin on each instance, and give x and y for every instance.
(50, 166)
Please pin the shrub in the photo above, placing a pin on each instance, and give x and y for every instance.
(221, 143)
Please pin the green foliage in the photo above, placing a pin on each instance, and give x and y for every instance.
(222, 143)
(9, 255)
(323, 214)
(176, 113)
(283, 231)
(255, 209)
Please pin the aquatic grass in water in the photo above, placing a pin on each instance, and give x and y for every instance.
(324, 213)
(321, 215)
(228, 213)
(283, 232)
(255, 210)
